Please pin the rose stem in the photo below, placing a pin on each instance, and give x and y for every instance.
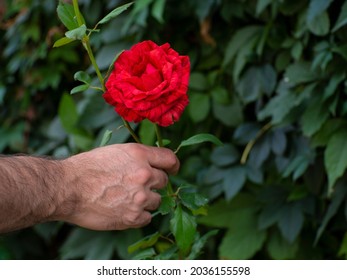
(86, 45)
(132, 132)
(159, 138)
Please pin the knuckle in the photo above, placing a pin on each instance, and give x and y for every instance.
(137, 219)
(140, 198)
(137, 150)
(172, 161)
(144, 175)
(132, 218)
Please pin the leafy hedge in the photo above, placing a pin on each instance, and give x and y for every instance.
(268, 78)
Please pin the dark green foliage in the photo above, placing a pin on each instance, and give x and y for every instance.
(268, 79)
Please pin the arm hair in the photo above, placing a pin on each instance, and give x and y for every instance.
(29, 190)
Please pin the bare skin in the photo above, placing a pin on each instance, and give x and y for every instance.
(109, 188)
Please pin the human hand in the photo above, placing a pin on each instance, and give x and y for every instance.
(113, 187)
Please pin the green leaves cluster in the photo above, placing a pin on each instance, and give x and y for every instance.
(183, 207)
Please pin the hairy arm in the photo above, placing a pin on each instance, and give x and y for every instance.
(29, 191)
(109, 188)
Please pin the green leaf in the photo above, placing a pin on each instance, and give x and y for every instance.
(158, 10)
(234, 180)
(225, 155)
(233, 213)
(255, 82)
(220, 95)
(81, 139)
(165, 143)
(106, 138)
(320, 25)
(269, 215)
(261, 5)
(335, 157)
(48, 230)
(254, 174)
(198, 81)
(281, 249)
(147, 132)
(331, 126)
(168, 203)
(183, 227)
(342, 19)
(66, 14)
(114, 13)
(144, 243)
(243, 239)
(297, 166)
(77, 33)
(278, 141)
(82, 243)
(316, 9)
(200, 138)
(62, 41)
(238, 42)
(260, 152)
(68, 114)
(79, 88)
(229, 114)
(199, 107)
(334, 82)
(199, 244)
(343, 247)
(241, 244)
(83, 77)
(191, 199)
(145, 254)
(299, 72)
(2, 93)
(202, 8)
(283, 59)
(314, 117)
(246, 132)
(322, 60)
(281, 105)
(290, 221)
(338, 198)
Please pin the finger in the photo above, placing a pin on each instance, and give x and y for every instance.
(163, 158)
(153, 202)
(159, 181)
(144, 219)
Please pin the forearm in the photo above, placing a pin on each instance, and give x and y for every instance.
(29, 191)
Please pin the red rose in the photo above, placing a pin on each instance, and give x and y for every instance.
(149, 82)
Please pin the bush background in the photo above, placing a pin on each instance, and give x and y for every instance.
(268, 78)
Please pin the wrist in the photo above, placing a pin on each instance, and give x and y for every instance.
(67, 194)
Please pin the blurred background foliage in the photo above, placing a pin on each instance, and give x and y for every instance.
(268, 78)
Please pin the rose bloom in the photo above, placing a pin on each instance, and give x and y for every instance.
(149, 82)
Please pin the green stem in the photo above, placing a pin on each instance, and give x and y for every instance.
(132, 132)
(251, 143)
(86, 45)
(159, 138)
(77, 12)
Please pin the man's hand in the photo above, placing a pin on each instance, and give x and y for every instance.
(108, 188)
(114, 187)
